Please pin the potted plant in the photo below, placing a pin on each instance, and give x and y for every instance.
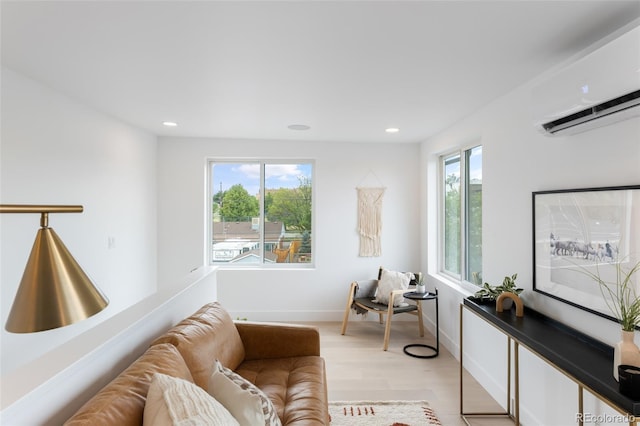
(420, 287)
(623, 302)
(489, 293)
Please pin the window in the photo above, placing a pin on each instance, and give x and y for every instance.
(462, 215)
(261, 212)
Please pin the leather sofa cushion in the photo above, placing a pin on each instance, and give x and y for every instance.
(122, 401)
(295, 385)
(205, 336)
(277, 340)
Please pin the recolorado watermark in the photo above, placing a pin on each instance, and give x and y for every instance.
(605, 418)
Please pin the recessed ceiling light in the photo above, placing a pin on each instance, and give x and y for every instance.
(170, 123)
(298, 127)
(392, 130)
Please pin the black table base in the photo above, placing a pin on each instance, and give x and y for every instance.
(436, 350)
(421, 345)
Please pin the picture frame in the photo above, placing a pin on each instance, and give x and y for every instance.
(593, 230)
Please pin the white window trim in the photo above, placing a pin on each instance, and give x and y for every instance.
(208, 208)
(460, 279)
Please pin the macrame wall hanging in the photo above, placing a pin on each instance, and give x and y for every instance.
(370, 219)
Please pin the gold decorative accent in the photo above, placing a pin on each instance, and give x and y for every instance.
(54, 290)
(39, 208)
(515, 298)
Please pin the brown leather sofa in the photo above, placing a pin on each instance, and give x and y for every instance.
(282, 360)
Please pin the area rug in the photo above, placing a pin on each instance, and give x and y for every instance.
(382, 413)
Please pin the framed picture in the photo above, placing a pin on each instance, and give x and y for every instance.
(575, 231)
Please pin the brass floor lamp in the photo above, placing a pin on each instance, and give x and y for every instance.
(54, 290)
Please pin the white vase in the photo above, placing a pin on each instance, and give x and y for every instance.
(625, 352)
(507, 303)
(421, 289)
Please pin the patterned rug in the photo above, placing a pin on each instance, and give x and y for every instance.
(382, 413)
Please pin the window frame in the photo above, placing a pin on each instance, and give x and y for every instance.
(463, 153)
(262, 162)
(445, 159)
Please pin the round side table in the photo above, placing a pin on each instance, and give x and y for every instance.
(419, 297)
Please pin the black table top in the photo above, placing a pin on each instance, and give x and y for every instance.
(420, 296)
(582, 357)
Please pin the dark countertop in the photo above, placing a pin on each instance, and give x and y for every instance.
(580, 356)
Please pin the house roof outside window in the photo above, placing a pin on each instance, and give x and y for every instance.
(222, 231)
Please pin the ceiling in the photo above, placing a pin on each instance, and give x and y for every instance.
(347, 69)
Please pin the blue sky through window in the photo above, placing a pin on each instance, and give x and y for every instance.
(282, 175)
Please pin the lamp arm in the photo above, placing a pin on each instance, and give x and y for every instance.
(39, 208)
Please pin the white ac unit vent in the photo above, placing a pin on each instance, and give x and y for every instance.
(600, 89)
(627, 104)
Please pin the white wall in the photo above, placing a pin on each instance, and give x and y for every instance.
(313, 294)
(517, 161)
(57, 151)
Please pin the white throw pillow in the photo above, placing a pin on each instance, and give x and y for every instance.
(389, 281)
(248, 404)
(172, 401)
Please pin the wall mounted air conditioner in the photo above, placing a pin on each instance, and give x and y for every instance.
(599, 89)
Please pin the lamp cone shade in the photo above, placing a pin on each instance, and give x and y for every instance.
(54, 291)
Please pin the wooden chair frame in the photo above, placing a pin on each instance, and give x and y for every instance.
(380, 309)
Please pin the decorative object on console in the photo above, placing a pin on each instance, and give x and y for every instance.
(500, 305)
(54, 290)
(625, 352)
(491, 293)
(629, 381)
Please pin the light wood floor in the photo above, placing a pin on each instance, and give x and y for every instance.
(358, 369)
